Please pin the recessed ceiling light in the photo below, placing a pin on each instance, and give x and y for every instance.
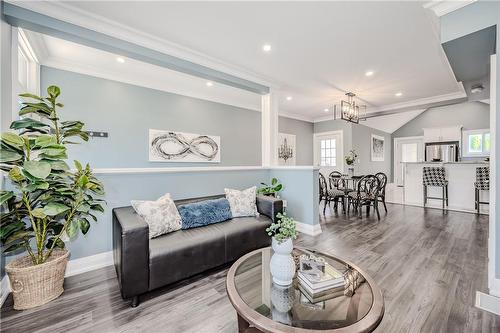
(266, 47)
(210, 83)
(289, 98)
(120, 60)
(398, 94)
(326, 110)
(369, 73)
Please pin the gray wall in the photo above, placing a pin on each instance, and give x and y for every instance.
(127, 112)
(471, 18)
(304, 138)
(472, 115)
(301, 191)
(358, 137)
(337, 125)
(361, 142)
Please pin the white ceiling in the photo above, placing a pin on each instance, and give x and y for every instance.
(319, 49)
(65, 55)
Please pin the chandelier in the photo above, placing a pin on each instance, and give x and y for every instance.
(349, 110)
(285, 151)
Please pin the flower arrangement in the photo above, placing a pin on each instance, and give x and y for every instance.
(284, 228)
(351, 157)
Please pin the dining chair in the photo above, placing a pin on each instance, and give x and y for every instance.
(328, 195)
(382, 182)
(366, 195)
(338, 189)
(323, 192)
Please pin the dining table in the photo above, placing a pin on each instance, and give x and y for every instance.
(349, 180)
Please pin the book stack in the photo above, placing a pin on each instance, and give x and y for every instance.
(320, 287)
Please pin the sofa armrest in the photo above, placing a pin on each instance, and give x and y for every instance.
(131, 251)
(269, 206)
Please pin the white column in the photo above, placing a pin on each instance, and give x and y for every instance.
(270, 129)
(493, 280)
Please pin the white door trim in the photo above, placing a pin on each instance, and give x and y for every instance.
(395, 150)
(493, 283)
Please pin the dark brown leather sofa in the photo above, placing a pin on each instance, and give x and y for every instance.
(144, 264)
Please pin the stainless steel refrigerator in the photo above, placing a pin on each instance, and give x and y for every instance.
(442, 151)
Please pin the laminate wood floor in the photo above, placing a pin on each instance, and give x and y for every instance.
(429, 265)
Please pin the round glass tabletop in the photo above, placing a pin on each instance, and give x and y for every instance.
(251, 289)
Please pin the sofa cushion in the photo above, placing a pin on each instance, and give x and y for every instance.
(184, 253)
(203, 213)
(245, 234)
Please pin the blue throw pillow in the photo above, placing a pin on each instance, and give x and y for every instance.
(203, 213)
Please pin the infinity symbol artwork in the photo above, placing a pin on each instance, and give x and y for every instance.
(175, 146)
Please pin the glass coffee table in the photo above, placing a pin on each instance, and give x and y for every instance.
(263, 306)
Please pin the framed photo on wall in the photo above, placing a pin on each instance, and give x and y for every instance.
(377, 147)
(170, 146)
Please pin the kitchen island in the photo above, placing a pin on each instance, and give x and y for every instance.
(461, 177)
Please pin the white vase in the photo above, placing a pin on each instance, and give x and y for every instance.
(282, 299)
(350, 171)
(282, 263)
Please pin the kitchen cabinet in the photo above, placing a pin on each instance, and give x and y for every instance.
(442, 134)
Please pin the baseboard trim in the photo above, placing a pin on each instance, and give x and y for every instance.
(75, 267)
(90, 263)
(450, 208)
(488, 303)
(309, 229)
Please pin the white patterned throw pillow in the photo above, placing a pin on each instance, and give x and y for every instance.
(242, 203)
(161, 215)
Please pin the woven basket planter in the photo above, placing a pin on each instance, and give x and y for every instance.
(34, 285)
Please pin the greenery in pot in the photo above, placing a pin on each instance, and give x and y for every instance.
(271, 189)
(47, 199)
(351, 157)
(283, 229)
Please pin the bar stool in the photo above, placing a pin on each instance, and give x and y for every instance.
(435, 176)
(482, 183)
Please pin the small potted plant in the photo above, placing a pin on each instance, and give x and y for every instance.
(271, 190)
(350, 159)
(283, 232)
(46, 200)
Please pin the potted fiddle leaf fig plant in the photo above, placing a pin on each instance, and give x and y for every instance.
(45, 201)
(271, 189)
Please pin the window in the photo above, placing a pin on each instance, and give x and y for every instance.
(476, 143)
(328, 152)
(28, 68)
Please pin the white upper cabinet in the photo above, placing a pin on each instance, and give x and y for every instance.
(432, 134)
(441, 134)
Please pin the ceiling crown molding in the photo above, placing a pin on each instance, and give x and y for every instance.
(440, 7)
(68, 13)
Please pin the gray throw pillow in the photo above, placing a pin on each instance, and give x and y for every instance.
(161, 215)
(242, 203)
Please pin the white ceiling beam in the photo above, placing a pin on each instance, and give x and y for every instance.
(33, 20)
(441, 8)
